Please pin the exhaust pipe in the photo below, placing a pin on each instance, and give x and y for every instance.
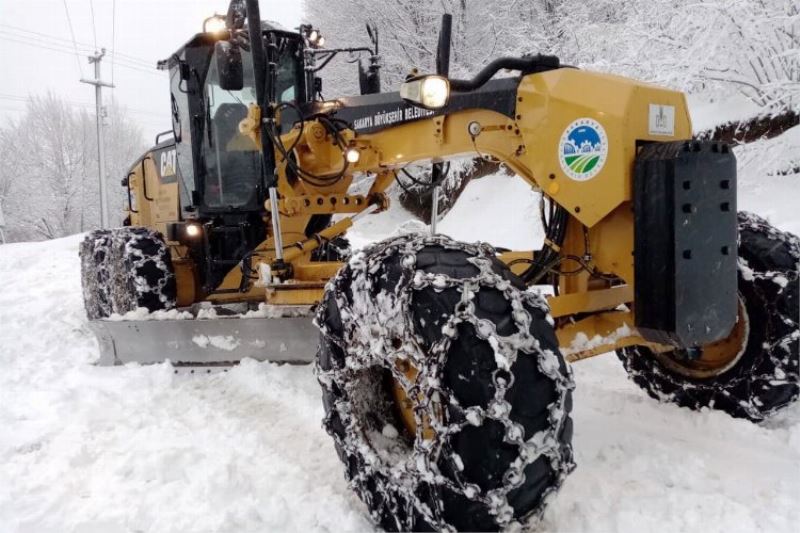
(442, 69)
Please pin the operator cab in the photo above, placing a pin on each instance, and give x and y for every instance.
(220, 170)
(223, 177)
(220, 167)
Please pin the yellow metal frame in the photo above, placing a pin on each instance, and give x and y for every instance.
(528, 143)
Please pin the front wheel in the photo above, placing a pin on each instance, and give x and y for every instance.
(444, 389)
(755, 371)
(95, 255)
(142, 273)
(124, 269)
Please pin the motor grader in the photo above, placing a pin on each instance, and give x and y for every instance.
(443, 366)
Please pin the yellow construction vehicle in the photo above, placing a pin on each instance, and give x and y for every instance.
(443, 370)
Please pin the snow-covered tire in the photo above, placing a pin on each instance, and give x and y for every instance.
(94, 253)
(764, 376)
(491, 385)
(141, 270)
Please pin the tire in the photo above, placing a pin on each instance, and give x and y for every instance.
(500, 417)
(94, 251)
(763, 377)
(142, 274)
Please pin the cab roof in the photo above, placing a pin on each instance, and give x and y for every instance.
(209, 38)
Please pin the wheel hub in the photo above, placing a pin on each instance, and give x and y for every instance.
(715, 358)
(406, 405)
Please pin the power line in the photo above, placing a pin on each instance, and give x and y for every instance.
(85, 46)
(56, 48)
(81, 47)
(78, 103)
(72, 32)
(15, 39)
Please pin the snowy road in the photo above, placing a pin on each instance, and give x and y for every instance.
(91, 449)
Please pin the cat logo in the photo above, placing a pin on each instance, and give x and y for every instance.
(168, 158)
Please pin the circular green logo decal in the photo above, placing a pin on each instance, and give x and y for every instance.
(583, 149)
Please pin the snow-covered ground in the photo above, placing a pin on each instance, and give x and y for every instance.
(105, 450)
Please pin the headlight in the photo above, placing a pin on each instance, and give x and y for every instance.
(430, 92)
(313, 36)
(352, 154)
(214, 24)
(193, 230)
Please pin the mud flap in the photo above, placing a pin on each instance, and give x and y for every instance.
(209, 342)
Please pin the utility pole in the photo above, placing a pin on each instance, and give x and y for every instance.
(2, 226)
(101, 157)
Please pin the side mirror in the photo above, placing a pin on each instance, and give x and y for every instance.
(369, 79)
(372, 31)
(229, 66)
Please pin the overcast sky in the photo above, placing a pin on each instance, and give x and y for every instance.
(37, 54)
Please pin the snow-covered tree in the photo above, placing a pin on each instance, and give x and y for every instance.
(721, 46)
(765, 51)
(715, 46)
(409, 31)
(124, 142)
(48, 183)
(9, 170)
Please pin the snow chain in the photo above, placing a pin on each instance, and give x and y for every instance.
(785, 362)
(378, 332)
(751, 392)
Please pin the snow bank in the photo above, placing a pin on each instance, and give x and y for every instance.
(644, 466)
(134, 448)
(499, 209)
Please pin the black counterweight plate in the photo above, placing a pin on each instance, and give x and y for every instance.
(685, 242)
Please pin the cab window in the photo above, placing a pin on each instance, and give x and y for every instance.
(289, 78)
(231, 159)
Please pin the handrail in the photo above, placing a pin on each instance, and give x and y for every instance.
(527, 65)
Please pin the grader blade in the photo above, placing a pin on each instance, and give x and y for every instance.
(219, 341)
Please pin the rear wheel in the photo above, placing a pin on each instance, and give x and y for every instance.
(444, 389)
(755, 371)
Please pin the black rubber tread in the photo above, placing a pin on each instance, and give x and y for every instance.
(470, 461)
(766, 378)
(142, 274)
(94, 253)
